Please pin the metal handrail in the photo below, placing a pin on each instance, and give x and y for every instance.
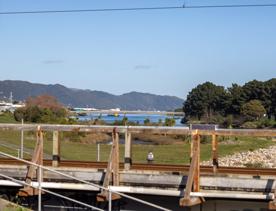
(50, 192)
(86, 182)
(140, 129)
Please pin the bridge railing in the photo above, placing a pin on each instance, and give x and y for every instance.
(39, 187)
(129, 130)
(194, 173)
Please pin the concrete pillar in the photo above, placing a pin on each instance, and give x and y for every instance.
(56, 149)
(128, 153)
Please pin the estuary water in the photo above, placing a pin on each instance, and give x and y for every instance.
(137, 118)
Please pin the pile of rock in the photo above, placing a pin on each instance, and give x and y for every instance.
(265, 158)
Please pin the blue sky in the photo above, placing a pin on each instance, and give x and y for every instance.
(164, 52)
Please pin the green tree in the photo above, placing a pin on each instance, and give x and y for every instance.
(205, 100)
(147, 121)
(42, 109)
(271, 90)
(257, 90)
(253, 110)
(235, 99)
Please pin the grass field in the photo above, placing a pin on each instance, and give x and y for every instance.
(7, 117)
(177, 153)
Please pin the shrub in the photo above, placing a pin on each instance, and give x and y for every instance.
(249, 125)
(42, 109)
(147, 121)
(19, 114)
(253, 110)
(266, 123)
(169, 122)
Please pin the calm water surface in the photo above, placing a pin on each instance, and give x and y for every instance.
(138, 118)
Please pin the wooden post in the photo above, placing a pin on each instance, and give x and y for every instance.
(186, 200)
(193, 176)
(32, 170)
(116, 159)
(128, 152)
(214, 152)
(191, 148)
(98, 152)
(112, 169)
(196, 153)
(56, 149)
(22, 141)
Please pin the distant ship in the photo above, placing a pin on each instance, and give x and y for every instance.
(82, 114)
(114, 115)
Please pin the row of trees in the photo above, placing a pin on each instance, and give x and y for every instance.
(47, 109)
(251, 102)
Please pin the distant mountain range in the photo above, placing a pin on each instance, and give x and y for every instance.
(21, 90)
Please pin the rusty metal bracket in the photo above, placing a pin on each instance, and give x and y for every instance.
(32, 170)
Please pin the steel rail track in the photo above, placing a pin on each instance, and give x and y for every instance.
(155, 167)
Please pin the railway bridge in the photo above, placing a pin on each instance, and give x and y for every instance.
(116, 185)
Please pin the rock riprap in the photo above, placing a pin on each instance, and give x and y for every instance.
(263, 157)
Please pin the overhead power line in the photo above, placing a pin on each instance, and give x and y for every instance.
(136, 9)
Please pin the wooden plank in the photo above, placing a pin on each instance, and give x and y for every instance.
(56, 149)
(128, 151)
(108, 172)
(188, 189)
(116, 161)
(193, 180)
(112, 169)
(191, 148)
(246, 132)
(191, 174)
(33, 170)
(37, 157)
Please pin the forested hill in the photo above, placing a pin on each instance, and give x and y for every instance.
(96, 99)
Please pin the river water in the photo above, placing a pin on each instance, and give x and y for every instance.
(137, 118)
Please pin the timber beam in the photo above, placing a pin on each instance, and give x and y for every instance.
(33, 172)
(112, 170)
(142, 129)
(193, 181)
